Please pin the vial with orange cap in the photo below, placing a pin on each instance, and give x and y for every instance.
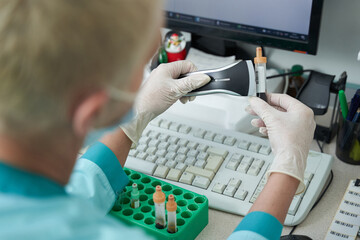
(171, 207)
(159, 202)
(260, 74)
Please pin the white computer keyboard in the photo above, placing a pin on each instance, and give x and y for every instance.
(227, 167)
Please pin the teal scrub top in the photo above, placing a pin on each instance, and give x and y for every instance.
(34, 207)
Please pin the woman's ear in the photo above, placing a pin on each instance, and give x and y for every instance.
(86, 111)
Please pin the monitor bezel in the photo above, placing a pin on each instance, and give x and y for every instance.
(286, 44)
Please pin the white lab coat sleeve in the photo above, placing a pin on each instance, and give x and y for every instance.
(98, 177)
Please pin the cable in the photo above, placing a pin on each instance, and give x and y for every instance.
(293, 229)
(321, 147)
(323, 192)
(288, 73)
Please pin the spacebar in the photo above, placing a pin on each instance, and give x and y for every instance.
(141, 166)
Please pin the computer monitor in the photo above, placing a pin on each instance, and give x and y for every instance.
(286, 24)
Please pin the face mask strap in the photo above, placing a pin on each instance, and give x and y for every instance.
(121, 95)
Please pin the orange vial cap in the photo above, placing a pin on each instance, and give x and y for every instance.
(158, 196)
(259, 57)
(171, 205)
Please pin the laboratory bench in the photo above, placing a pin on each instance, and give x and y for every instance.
(315, 225)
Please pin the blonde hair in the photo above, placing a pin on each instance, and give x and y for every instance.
(49, 49)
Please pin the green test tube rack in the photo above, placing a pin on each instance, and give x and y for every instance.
(192, 208)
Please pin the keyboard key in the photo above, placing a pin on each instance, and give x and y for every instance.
(266, 150)
(156, 122)
(163, 145)
(171, 164)
(201, 182)
(234, 182)
(200, 133)
(200, 163)
(183, 142)
(254, 196)
(253, 170)
(244, 145)
(192, 153)
(237, 156)
(180, 158)
(151, 150)
(200, 172)
(229, 191)
(181, 167)
(144, 140)
(154, 143)
(173, 148)
(192, 145)
(142, 148)
(232, 164)
(151, 158)
(254, 147)
(141, 166)
(262, 184)
(161, 153)
(294, 205)
(209, 136)
(258, 163)
(243, 167)
(153, 135)
(203, 156)
(308, 176)
(230, 141)
(247, 159)
(190, 161)
(187, 178)
(202, 148)
(142, 155)
(218, 151)
(161, 161)
(214, 162)
(183, 150)
(163, 137)
(218, 188)
(174, 175)
(257, 192)
(170, 155)
(133, 152)
(241, 194)
(173, 140)
(174, 127)
(219, 138)
(184, 129)
(165, 124)
(161, 171)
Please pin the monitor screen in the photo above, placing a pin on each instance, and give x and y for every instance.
(287, 24)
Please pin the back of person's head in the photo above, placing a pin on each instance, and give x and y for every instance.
(53, 50)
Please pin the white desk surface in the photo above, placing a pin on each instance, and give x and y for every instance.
(316, 224)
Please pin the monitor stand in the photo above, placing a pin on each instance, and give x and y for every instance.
(219, 47)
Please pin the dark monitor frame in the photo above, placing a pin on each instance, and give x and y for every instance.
(226, 34)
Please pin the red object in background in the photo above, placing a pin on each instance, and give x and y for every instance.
(174, 45)
(172, 57)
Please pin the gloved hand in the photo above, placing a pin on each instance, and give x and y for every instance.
(159, 92)
(290, 126)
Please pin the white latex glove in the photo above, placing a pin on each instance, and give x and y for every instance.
(290, 126)
(160, 91)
